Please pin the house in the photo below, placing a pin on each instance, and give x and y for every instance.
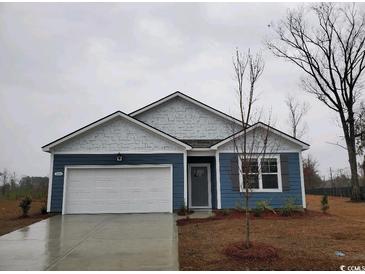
(173, 152)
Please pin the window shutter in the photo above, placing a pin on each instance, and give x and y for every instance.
(284, 172)
(235, 174)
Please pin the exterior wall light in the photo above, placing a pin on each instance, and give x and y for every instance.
(119, 157)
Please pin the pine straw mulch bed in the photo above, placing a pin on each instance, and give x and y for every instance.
(303, 242)
(234, 214)
(257, 251)
(11, 219)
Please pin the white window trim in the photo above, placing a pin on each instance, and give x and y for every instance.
(261, 189)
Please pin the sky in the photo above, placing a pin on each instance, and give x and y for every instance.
(64, 65)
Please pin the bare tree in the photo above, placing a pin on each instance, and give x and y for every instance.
(329, 49)
(297, 110)
(248, 69)
(360, 140)
(4, 178)
(312, 179)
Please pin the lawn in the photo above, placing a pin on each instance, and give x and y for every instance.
(10, 215)
(304, 243)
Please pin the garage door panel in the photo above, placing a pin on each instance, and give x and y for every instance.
(118, 190)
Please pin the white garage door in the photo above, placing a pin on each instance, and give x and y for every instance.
(118, 190)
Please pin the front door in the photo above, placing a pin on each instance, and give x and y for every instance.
(199, 186)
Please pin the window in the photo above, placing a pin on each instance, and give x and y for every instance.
(269, 173)
(264, 174)
(253, 176)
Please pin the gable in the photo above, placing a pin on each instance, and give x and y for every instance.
(116, 135)
(276, 141)
(187, 121)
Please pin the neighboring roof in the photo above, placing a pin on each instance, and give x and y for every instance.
(261, 124)
(107, 118)
(188, 98)
(201, 143)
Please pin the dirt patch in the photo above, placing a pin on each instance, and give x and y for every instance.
(10, 215)
(256, 251)
(307, 242)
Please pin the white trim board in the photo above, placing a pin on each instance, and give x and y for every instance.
(302, 180)
(66, 168)
(201, 153)
(185, 163)
(122, 152)
(47, 147)
(189, 99)
(218, 180)
(49, 197)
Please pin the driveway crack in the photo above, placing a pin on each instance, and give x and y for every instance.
(87, 235)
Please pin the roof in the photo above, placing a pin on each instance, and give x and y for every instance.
(188, 144)
(201, 143)
(118, 113)
(188, 98)
(304, 145)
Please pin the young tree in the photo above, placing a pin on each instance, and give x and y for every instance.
(329, 49)
(248, 69)
(297, 110)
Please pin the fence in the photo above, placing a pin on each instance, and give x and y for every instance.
(335, 191)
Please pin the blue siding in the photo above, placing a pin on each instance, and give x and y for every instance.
(62, 160)
(211, 161)
(231, 198)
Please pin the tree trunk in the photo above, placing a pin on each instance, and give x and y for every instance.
(247, 219)
(363, 169)
(355, 187)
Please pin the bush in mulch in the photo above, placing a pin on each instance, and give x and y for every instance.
(235, 214)
(257, 251)
(184, 211)
(25, 205)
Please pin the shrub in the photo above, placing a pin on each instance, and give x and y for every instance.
(289, 208)
(240, 207)
(261, 207)
(225, 211)
(25, 205)
(184, 211)
(324, 204)
(257, 212)
(44, 209)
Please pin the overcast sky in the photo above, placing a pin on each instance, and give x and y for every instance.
(65, 65)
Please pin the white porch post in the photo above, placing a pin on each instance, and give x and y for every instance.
(218, 178)
(49, 197)
(302, 180)
(186, 178)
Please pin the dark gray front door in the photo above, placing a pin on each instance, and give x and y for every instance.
(199, 186)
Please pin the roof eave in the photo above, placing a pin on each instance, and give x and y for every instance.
(47, 147)
(188, 98)
(303, 145)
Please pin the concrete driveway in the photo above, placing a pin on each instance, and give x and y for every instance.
(93, 242)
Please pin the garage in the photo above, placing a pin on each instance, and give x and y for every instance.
(117, 189)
